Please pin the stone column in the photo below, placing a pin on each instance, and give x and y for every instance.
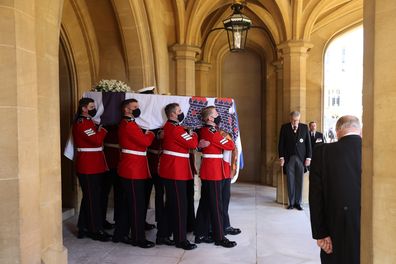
(31, 229)
(294, 55)
(378, 225)
(48, 13)
(185, 57)
(201, 81)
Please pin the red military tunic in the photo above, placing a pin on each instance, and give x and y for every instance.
(89, 144)
(177, 143)
(212, 166)
(133, 143)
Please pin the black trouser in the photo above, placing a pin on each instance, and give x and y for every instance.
(190, 206)
(295, 174)
(149, 188)
(176, 207)
(210, 210)
(226, 185)
(111, 179)
(159, 196)
(164, 228)
(132, 216)
(90, 216)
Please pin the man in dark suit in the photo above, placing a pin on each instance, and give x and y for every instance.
(334, 194)
(316, 137)
(295, 155)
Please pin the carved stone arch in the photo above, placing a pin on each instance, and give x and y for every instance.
(346, 7)
(270, 22)
(320, 38)
(136, 38)
(196, 17)
(286, 15)
(180, 18)
(77, 32)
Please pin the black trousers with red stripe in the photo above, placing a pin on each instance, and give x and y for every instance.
(226, 185)
(91, 217)
(149, 188)
(176, 208)
(133, 215)
(190, 206)
(210, 210)
(111, 179)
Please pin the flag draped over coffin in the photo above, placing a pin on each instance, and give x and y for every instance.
(153, 115)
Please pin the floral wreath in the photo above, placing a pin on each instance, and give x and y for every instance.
(111, 86)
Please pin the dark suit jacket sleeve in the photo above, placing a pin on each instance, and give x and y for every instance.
(316, 195)
(308, 144)
(281, 144)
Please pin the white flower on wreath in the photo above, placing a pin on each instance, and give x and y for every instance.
(111, 86)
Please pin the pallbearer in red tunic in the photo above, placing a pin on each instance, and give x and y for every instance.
(91, 167)
(111, 179)
(212, 174)
(153, 156)
(229, 172)
(133, 170)
(175, 170)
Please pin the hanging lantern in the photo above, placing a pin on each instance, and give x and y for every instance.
(237, 26)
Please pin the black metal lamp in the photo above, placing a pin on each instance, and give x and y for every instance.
(237, 26)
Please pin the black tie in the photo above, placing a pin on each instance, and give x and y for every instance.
(295, 129)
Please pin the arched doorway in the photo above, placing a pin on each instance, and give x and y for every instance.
(241, 80)
(66, 107)
(343, 79)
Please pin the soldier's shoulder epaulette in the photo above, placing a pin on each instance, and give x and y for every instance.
(212, 129)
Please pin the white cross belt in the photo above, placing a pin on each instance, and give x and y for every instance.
(213, 156)
(89, 149)
(134, 152)
(177, 154)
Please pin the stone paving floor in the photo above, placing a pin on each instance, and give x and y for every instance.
(270, 235)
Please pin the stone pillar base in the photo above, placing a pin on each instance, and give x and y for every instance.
(54, 255)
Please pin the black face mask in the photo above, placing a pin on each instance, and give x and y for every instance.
(92, 112)
(180, 117)
(136, 113)
(217, 120)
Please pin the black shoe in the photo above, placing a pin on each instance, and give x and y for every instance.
(143, 244)
(232, 231)
(186, 245)
(204, 239)
(226, 243)
(298, 207)
(125, 240)
(148, 226)
(290, 207)
(100, 236)
(165, 241)
(107, 225)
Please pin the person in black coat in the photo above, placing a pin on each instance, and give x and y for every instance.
(334, 194)
(316, 137)
(295, 155)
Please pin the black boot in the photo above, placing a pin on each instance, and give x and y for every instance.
(226, 243)
(186, 245)
(165, 241)
(143, 244)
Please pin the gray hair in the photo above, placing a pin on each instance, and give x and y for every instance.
(294, 114)
(348, 122)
